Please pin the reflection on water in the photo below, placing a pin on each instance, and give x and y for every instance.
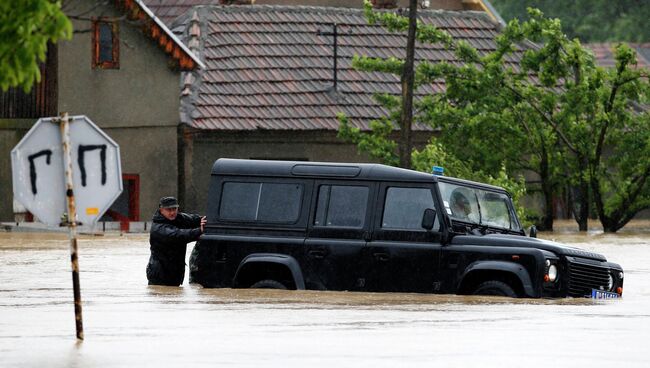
(128, 323)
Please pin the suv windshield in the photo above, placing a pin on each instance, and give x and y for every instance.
(478, 206)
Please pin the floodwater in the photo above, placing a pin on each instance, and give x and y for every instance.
(130, 324)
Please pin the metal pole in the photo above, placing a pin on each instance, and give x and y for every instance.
(336, 58)
(71, 221)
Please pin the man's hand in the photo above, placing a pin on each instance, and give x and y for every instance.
(203, 222)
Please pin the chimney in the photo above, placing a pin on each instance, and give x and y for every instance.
(384, 4)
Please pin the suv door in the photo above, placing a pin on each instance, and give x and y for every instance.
(337, 233)
(402, 256)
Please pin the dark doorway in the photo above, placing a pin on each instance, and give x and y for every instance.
(126, 207)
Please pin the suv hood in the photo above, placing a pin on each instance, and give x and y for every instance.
(524, 242)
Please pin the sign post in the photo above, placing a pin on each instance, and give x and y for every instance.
(61, 165)
(71, 222)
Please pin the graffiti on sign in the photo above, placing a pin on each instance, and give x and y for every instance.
(32, 167)
(80, 160)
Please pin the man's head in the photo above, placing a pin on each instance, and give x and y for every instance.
(459, 204)
(168, 207)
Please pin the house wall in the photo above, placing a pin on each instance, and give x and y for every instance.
(205, 147)
(11, 131)
(137, 105)
(149, 152)
(202, 148)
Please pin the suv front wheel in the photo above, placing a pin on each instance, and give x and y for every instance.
(496, 288)
(268, 284)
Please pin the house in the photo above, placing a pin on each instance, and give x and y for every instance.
(269, 89)
(254, 81)
(122, 69)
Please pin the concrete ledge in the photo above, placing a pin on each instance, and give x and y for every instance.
(100, 227)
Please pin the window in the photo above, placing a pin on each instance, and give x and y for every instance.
(260, 202)
(404, 207)
(479, 206)
(341, 206)
(106, 52)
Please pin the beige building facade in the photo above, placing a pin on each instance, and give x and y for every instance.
(136, 103)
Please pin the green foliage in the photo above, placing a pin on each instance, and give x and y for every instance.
(391, 65)
(588, 20)
(556, 114)
(26, 26)
(377, 144)
(435, 154)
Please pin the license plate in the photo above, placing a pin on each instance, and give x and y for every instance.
(601, 294)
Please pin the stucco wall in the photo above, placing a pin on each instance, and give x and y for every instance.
(137, 105)
(155, 163)
(144, 91)
(312, 146)
(11, 131)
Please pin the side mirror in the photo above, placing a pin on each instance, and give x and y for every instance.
(428, 218)
(532, 232)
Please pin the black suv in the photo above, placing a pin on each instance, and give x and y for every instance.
(369, 227)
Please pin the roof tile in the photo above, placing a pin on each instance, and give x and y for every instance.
(268, 68)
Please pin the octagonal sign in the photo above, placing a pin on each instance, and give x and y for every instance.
(39, 175)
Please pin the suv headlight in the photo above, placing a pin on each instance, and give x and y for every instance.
(552, 273)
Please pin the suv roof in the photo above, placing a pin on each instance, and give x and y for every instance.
(352, 171)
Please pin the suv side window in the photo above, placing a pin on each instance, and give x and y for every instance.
(403, 208)
(261, 202)
(341, 206)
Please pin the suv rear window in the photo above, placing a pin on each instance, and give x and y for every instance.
(341, 206)
(260, 202)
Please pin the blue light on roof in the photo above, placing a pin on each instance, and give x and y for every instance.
(438, 170)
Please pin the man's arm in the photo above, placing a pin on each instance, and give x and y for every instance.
(166, 232)
(190, 220)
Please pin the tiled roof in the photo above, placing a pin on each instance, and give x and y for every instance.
(605, 55)
(151, 26)
(168, 10)
(268, 68)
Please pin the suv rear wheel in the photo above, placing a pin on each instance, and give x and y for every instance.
(268, 284)
(494, 287)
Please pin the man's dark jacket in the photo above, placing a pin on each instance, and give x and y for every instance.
(168, 241)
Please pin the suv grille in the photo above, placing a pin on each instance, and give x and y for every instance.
(583, 277)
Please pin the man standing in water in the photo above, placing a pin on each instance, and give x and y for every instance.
(170, 233)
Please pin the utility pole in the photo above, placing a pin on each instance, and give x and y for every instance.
(408, 80)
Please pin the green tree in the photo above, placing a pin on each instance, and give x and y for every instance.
(382, 142)
(588, 20)
(26, 27)
(556, 114)
(598, 117)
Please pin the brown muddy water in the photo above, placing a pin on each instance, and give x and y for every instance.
(130, 324)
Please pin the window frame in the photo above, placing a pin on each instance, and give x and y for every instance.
(304, 191)
(363, 232)
(329, 202)
(385, 193)
(115, 46)
(420, 235)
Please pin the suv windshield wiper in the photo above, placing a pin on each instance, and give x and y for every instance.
(469, 227)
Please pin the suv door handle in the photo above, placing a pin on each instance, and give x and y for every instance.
(318, 254)
(381, 257)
